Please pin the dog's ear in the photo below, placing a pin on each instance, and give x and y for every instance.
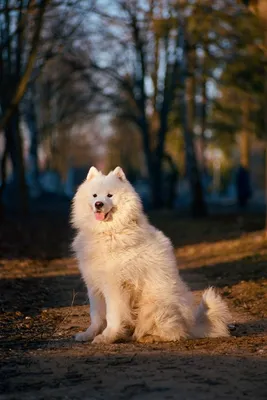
(93, 172)
(119, 173)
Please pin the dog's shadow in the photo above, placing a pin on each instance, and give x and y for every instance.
(250, 328)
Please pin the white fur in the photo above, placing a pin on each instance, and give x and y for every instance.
(130, 271)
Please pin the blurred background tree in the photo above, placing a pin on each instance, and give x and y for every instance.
(173, 91)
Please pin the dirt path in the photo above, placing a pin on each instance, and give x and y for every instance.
(44, 304)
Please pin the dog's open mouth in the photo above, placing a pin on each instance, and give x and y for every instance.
(101, 216)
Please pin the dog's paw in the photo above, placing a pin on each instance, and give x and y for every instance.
(83, 337)
(150, 339)
(103, 339)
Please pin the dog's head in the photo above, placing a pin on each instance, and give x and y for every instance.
(103, 202)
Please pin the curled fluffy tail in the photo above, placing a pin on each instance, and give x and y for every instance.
(212, 316)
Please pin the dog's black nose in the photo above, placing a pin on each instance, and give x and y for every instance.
(99, 205)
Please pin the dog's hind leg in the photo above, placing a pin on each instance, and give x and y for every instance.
(160, 323)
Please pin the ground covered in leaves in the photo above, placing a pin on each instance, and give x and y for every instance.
(43, 303)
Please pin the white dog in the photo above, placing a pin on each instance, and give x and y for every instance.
(130, 270)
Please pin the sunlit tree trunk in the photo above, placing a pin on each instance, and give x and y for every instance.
(203, 115)
(245, 135)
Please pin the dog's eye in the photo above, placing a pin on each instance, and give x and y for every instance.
(110, 195)
(95, 195)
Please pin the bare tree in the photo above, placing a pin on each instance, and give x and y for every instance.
(41, 32)
(23, 76)
(16, 65)
(144, 84)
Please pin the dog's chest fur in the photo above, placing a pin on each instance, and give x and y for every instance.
(108, 253)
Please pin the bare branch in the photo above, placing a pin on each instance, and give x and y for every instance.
(22, 85)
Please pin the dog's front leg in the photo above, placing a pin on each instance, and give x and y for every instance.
(117, 314)
(97, 316)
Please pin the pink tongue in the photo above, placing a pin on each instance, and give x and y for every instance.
(100, 216)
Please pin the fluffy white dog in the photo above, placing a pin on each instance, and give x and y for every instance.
(130, 270)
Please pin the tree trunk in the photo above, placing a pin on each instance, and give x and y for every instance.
(265, 121)
(158, 159)
(244, 148)
(147, 152)
(245, 135)
(188, 113)
(15, 151)
(33, 166)
(3, 179)
(203, 121)
(172, 181)
(259, 8)
(261, 11)
(169, 90)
